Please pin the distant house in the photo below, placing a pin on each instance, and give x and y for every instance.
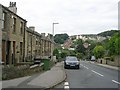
(67, 44)
(71, 49)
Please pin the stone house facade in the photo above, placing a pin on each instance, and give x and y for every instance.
(13, 28)
(37, 46)
(19, 42)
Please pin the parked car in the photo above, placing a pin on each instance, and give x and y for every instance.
(71, 62)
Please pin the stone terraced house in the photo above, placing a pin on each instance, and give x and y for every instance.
(13, 28)
(20, 43)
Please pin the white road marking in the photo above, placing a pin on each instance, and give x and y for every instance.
(81, 64)
(115, 82)
(66, 87)
(66, 84)
(92, 62)
(86, 67)
(97, 73)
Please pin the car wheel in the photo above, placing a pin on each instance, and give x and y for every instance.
(64, 67)
(78, 67)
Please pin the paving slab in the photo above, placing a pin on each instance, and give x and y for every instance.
(50, 78)
(13, 82)
(47, 79)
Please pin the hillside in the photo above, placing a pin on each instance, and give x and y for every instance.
(108, 33)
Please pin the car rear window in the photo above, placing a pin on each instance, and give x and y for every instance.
(71, 59)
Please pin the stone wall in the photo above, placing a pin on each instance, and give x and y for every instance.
(10, 72)
(116, 61)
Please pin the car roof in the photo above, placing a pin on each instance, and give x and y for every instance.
(71, 57)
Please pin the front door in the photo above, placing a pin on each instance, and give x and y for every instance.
(13, 54)
(3, 51)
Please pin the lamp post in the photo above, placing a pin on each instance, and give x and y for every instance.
(52, 49)
(53, 29)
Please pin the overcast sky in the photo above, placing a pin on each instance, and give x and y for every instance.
(74, 16)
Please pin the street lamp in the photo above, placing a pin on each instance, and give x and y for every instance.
(53, 39)
(53, 29)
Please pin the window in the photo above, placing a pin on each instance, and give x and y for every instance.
(14, 24)
(3, 20)
(21, 28)
(36, 42)
(29, 40)
(21, 48)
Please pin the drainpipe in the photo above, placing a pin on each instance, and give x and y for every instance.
(24, 41)
(0, 39)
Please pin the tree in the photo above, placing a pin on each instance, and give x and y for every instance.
(92, 44)
(99, 51)
(117, 44)
(79, 46)
(60, 38)
(108, 33)
(72, 53)
(56, 53)
(114, 44)
(63, 54)
(79, 55)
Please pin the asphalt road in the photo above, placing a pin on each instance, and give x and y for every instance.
(90, 75)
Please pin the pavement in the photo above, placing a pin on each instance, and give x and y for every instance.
(44, 80)
(106, 66)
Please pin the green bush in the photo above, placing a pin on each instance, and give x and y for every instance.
(47, 64)
(112, 58)
(79, 55)
(63, 54)
(56, 53)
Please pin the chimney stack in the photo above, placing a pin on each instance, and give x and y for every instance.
(12, 7)
(43, 34)
(49, 36)
(32, 28)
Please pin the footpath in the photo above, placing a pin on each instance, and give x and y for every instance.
(44, 80)
(106, 66)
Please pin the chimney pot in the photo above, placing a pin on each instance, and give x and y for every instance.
(15, 3)
(13, 7)
(10, 4)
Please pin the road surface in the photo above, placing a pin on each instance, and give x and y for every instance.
(90, 75)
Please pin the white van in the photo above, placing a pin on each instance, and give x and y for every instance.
(92, 58)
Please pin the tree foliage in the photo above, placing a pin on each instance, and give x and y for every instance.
(108, 33)
(99, 51)
(79, 55)
(72, 53)
(63, 54)
(114, 44)
(56, 53)
(60, 38)
(79, 46)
